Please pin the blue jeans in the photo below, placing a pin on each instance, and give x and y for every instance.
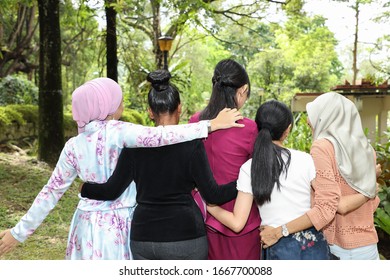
(193, 249)
(308, 244)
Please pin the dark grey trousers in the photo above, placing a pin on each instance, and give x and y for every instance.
(193, 249)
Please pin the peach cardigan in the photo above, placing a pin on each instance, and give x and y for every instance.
(352, 230)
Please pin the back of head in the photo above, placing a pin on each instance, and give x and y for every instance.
(163, 97)
(332, 109)
(95, 100)
(228, 77)
(336, 118)
(272, 118)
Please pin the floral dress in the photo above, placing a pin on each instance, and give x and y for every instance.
(99, 230)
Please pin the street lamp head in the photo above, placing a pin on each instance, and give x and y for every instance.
(165, 43)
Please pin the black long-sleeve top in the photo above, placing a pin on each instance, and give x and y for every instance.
(164, 177)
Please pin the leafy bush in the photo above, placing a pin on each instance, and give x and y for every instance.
(69, 124)
(22, 114)
(28, 112)
(132, 116)
(9, 116)
(382, 214)
(300, 137)
(18, 90)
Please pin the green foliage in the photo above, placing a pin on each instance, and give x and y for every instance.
(29, 112)
(302, 59)
(300, 137)
(22, 114)
(378, 63)
(82, 44)
(10, 116)
(70, 126)
(132, 116)
(382, 214)
(196, 75)
(17, 90)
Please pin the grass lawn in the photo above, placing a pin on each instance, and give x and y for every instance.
(21, 178)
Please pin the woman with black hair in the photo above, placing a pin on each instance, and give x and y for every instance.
(167, 223)
(279, 181)
(344, 192)
(226, 152)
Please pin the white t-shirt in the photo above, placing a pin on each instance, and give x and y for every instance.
(293, 198)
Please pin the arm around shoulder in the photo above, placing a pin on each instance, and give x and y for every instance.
(204, 179)
(237, 219)
(116, 184)
(325, 187)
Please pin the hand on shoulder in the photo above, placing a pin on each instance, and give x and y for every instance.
(226, 118)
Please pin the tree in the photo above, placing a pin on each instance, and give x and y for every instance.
(301, 59)
(155, 18)
(111, 41)
(50, 127)
(83, 48)
(356, 7)
(379, 57)
(141, 23)
(17, 29)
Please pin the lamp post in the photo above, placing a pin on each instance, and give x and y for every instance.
(165, 43)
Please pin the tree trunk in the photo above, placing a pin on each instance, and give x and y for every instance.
(50, 125)
(156, 21)
(16, 53)
(355, 44)
(111, 41)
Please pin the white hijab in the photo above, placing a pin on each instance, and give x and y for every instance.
(337, 119)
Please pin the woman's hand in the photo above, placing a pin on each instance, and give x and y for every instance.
(226, 118)
(378, 169)
(7, 242)
(269, 235)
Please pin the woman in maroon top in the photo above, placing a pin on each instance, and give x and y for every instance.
(227, 151)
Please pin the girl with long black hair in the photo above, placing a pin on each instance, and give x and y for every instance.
(226, 152)
(279, 181)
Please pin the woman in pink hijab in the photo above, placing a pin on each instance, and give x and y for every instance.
(100, 229)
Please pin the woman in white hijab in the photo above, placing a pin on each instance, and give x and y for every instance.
(344, 191)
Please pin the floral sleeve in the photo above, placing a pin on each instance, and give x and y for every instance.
(132, 135)
(61, 179)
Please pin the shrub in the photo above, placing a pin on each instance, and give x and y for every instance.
(10, 116)
(132, 116)
(300, 137)
(28, 114)
(18, 90)
(382, 214)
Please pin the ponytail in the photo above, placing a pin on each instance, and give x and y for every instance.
(272, 119)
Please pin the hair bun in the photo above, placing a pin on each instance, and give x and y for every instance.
(159, 79)
(222, 80)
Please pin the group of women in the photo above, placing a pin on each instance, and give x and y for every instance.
(235, 193)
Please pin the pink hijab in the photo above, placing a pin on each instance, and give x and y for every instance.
(95, 100)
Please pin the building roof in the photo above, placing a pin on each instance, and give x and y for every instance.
(363, 87)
